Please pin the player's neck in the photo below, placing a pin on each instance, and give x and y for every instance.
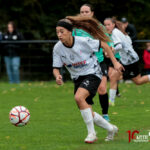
(70, 42)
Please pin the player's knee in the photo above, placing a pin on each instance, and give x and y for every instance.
(113, 77)
(102, 90)
(137, 82)
(15, 68)
(78, 98)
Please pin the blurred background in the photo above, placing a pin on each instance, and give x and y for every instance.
(36, 20)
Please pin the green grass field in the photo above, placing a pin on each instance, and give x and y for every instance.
(56, 123)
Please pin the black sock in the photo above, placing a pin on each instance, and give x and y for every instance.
(117, 92)
(103, 99)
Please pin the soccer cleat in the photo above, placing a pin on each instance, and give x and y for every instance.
(118, 95)
(106, 117)
(111, 134)
(111, 103)
(91, 138)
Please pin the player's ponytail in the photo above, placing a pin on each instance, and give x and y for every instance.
(90, 25)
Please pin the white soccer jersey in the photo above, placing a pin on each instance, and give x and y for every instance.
(127, 53)
(78, 59)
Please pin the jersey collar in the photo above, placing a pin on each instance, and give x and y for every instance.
(71, 45)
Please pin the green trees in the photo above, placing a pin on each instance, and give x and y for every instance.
(37, 18)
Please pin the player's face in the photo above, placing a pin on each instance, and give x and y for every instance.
(125, 25)
(86, 11)
(63, 34)
(109, 26)
(10, 28)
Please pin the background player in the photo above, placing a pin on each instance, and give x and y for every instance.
(129, 57)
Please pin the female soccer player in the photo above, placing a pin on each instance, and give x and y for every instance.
(76, 53)
(87, 10)
(129, 57)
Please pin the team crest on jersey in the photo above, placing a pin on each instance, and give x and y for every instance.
(72, 57)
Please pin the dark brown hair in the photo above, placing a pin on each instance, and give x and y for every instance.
(118, 24)
(89, 5)
(90, 25)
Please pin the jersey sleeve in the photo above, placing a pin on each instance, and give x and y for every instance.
(57, 61)
(117, 41)
(92, 44)
(116, 37)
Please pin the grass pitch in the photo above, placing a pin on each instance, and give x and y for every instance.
(56, 123)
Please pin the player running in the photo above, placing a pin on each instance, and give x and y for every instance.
(129, 57)
(76, 54)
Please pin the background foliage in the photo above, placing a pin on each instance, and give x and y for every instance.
(37, 18)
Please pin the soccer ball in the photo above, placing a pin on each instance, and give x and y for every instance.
(19, 116)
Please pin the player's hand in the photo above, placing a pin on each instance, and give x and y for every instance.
(119, 67)
(59, 80)
(106, 55)
(113, 50)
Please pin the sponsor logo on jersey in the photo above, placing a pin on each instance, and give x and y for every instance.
(77, 65)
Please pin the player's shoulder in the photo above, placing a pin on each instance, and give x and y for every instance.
(78, 38)
(116, 31)
(81, 39)
(57, 46)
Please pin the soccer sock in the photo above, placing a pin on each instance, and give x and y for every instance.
(101, 122)
(88, 119)
(103, 99)
(112, 95)
(148, 77)
(117, 92)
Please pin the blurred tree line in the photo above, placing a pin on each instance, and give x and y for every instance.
(36, 19)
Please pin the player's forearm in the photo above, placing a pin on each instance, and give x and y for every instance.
(109, 52)
(56, 72)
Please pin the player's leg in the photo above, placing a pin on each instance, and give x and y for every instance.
(15, 68)
(134, 74)
(102, 91)
(83, 96)
(8, 63)
(85, 89)
(118, 91)
(114, 76)
(139, 80)
(103, 97)
(98, 119)
(86, 113)
(101, 122)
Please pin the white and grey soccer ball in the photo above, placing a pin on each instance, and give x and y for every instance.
(19, 116)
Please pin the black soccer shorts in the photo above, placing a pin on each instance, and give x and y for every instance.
(89, 82)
